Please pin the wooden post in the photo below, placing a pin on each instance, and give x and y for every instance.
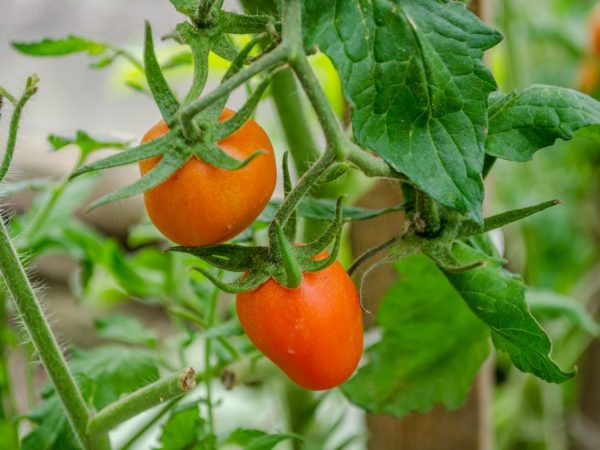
(465, 429)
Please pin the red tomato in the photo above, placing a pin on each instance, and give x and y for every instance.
(201, 204)
(313, 333)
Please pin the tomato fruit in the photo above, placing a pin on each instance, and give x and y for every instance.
(313, 333)
(201, 204)
(594, 30)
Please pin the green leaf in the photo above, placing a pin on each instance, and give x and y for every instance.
(529, 119)
(497, 297)
(112, 370)
(186, 430)
(186, 7)
(324, 209)
(103, 374)
(59, 47)
(85, 142)
(412, 71)
(126, 329)
(146, 150)
(249, 439)
(432, 346)
(550, 305)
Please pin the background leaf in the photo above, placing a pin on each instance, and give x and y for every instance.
(59, 47)
(185, 430)
(125, 329)
(431, 349)
(531, 118)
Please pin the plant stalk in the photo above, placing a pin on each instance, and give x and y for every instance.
(42, 338)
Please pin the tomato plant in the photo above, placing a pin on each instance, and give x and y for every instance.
(420, 110)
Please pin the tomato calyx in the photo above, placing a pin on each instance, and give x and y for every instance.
(197, 137)
(282, 259)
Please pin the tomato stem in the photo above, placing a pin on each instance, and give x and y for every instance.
(30, 89)
(145, 398)
(210, 321)
(43, 340)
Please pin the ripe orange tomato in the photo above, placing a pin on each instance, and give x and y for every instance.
(313, 333)
(594, 27)
(201, 204)
(588, 77)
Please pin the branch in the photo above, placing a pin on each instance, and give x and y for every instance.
(139, 401)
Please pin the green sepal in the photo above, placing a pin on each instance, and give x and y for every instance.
(234, 258)
(164, 97)
(242, 284)
(290, 226)
(168, 164)
(309, 251)
(233, 23)
(505, 218)
(445, 260)
(149, 149)
(230, 126)
(235, 66)
(215, 156)
(293, 272)
(199, 45)
(206, 11)
(336, 171)
(222, 46)
(316, 265)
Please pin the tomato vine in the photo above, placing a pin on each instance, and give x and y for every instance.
(424, 114)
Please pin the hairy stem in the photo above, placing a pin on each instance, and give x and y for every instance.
(42, 338)
(30, 89)
(145, 398)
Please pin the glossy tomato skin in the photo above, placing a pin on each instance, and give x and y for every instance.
(313, 333)
(201, 204)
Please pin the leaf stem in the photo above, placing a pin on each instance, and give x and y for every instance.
(152, 395)
(314, 91)
(42, 338)
(30, 89)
